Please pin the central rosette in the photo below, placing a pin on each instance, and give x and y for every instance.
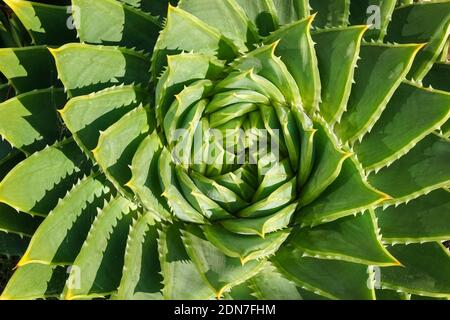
(235, 148)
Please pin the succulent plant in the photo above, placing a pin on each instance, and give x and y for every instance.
(270, 149)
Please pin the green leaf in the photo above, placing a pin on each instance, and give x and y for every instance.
(248, 81)
(144, 182)
(86, 68)
(218, 193)
(118, 144)
(334, 202)
(338, 44)
(178, 204)
(29, 121)
(218, 270)
(35, 185)
(264, 63)
(188, 106)
(224, 99)
(276, 201)
(59, 238)
(236, 182)
(28, 68)
(35, 281)
(426, 218)
(353, 239)
(46, 24)
(18, 223)
(271, 285)
(100, 260)
(331, 13)
(426, 270)
(261, 226)
(202, 39)
(178, 75)
(141, 278)
(273, 174)
(87, 116)
(330, 278)
(291, 10)
(372, 12)
(227, 17)
(380, 71)
(111, 22)
(307, 133)
(403, 123)
(262, 13)
(245, 247)
(423, 169)
(328, 161)
(198, 199)
(181, 277)
(295, 41)
(409, 26)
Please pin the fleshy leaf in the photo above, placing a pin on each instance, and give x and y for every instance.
(330, 278)
(117, 145)
(28, 68)
(261, 226)
(353, 239)
(110, 22)
(144, 169)
(35, 281)
(101, 257)
(328, 162)
(403, 123)
(29, 121)
(86, 68)
(337, 44)
(46, 24)
(35, 185)
(423, 169)
(207, 39)
(227, 17)
(409, 26)
(141, 278)
(59, 238)
(262, 13)
(377, 13)
(380, 71)
(426, 270)
(182, 279)
(291, 10)
(426, 218)
(331, 13)
(295, 41)
(87, 116)
(245, 247)
(220, 271)
(334, 202)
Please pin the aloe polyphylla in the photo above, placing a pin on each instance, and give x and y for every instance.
(335, 184)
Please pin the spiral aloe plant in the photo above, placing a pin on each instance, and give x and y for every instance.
(270, 149)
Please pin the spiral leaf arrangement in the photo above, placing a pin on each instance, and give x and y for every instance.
(235, 149)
